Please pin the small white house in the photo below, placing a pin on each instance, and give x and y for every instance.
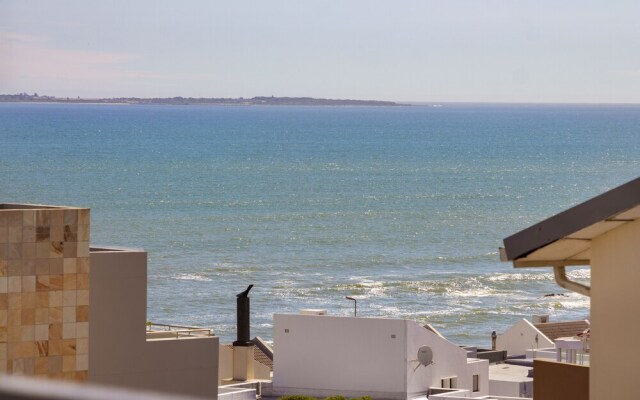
(324, 356)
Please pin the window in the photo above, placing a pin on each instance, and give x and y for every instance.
(476, 383)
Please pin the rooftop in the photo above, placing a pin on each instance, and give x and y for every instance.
(555, 330)
(565, 238)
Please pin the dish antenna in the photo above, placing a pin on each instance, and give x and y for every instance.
(425, 357)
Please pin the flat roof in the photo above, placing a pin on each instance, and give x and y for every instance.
(565, 238)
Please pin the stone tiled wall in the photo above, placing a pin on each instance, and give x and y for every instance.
(44, 291)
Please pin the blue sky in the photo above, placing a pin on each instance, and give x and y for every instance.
(447, 50)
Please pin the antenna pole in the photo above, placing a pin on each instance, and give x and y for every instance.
(355, 305)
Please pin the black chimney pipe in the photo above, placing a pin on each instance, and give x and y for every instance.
(243, 328)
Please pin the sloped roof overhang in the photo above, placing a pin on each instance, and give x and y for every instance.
(565, 239)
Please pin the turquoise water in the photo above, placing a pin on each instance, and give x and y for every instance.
(402, 207)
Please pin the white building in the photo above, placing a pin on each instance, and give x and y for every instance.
(324, 356)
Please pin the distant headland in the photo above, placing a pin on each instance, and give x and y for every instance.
(254, 101)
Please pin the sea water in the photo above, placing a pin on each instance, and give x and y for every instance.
(403, 208)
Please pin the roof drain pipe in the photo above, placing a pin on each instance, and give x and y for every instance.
(560, 274)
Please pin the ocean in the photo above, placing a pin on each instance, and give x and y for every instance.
(403, 208)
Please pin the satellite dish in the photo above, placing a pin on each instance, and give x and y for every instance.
(425, 355)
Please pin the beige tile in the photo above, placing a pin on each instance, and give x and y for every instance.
(29, 283)
(42, 348)
(69, 298)
(68, 363)
(28, 218)
(56, 282)
(42, 316)
(70, 249)
(4, 268)
(43, 217)
(70, 217)
(55, 315)
(27, 333)
(14, 268)
(70, 234)
(55, 298)
(3, 352)
(57, 218)
(15, 284)
(56, 265)
(42, 266)
(83, 265)
(17, 367)
(4, 315)
(69, 330)
(42, 234)
(82, 362)
(42, 332)
(29, 234)
(28, 316)
(56, 233)
(13, 334)
(29, 366)
(14, 218)
(14, 317)
(15, 301)
(82, 346)
(28, 251)
(69, 347)
(83, 233)
(4, 233)
(56, 249)
(82, 313)
(28, 300)
(4, 337)
(29, 267)
(83, 248)
(69, 282)
(15, 251)
(55, 363)
(82, 298)
(69, 265)
(42, 365)
(83, 281)
(42, 299)
(4, 301)
(84, 216)
(69, 314)
(55, 331)
(42, 283)
(82, 329)
(4, 284)
(55, 347)
(42, 248)
(14, 234)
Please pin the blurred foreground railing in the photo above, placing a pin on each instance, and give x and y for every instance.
(26, 388)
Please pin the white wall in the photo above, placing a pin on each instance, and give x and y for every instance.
(520, 337)
(615, 300)
(480, 368)
(323, 355)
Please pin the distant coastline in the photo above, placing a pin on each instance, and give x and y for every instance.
(254, 101)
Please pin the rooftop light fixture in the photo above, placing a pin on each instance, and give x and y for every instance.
(355, 305)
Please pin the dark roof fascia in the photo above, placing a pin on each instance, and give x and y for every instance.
(597, 209)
